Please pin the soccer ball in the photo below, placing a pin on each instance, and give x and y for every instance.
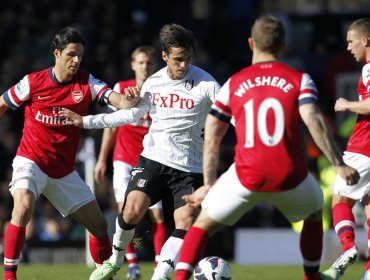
(212, 268)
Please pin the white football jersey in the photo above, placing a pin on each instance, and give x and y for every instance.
(178, 112)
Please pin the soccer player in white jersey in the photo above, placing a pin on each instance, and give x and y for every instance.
(45, 159)
(357, 154)
(170, 165)
(128, 146)
(268, 101)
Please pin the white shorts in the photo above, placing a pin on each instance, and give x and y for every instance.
(228, 200)
(121, 177)
(362, 164)
(67, 194)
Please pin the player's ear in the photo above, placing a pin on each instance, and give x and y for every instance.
(251, 43)
(165, 56)
(56, 53)
(366, 41)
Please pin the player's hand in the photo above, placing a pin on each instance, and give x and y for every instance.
(349, 174)
(132, 94)
(100, 169)
(196, 198)
(72, 118)
(341, 105)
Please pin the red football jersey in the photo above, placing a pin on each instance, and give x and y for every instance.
(46, 139)
(129, 142)
(264, 99)
(359, 140)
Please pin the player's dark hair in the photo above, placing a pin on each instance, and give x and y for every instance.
(268, 34)
(66, 36)
(362, 26)
(175, 36)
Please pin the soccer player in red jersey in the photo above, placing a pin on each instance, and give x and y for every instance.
(128, 145)
(268, 102)
(45, 159)
(357, 153)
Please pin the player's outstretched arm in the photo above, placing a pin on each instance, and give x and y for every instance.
(358, 107)
(115, 119)
(314, 120)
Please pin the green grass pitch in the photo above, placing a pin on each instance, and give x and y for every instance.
(245, 272)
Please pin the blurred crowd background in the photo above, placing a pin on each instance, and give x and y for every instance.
(316, 31)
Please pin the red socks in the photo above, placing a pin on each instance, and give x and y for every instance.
(344, 225)
(159, 238)
(100, 248)
(130, 254)
(14, 241)
(311, 247)
(192, 250)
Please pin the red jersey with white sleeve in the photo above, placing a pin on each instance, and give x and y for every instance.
(46, 139)
(129, 141)
(359, 139)
(264, 100)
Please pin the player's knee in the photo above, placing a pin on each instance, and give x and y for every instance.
(24, 204)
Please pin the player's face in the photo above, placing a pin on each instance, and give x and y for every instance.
(143, 66)
(356, 45)
(178, 61)
(68, 61)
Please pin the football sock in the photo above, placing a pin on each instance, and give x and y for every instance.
(100, 248)
(121, 240)
(159, 238)
(14, 241)
(169, 254)
(195, 243)
(344, 225)
(130, 254)
(311, 245)
(312, 276)
(368, 246)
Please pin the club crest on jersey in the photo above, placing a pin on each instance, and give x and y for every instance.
(141, 183)
(77, 96)
(189, 84)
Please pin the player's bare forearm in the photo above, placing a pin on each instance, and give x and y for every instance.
(358, 107)
(214, 132)
(127, 100)
(319, 131)
(3, 106)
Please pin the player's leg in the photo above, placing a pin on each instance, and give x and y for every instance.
(344, 198)
(216, 212)
(366, 275)
(91, 217)
(27, 184)
(159, 230)
(121, 178)
(194, 245)
(180, 183)
(344, 221)
(305, 202)
(140, 193)
(73, 198)
(15, 233)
